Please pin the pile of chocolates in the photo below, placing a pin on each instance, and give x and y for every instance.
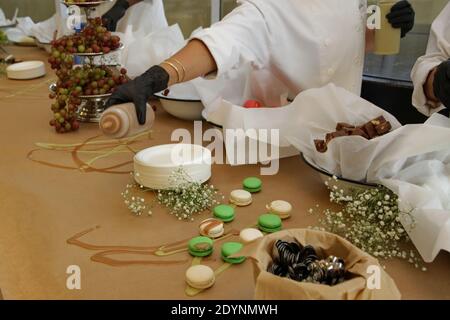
(301, 263)
(372, 129)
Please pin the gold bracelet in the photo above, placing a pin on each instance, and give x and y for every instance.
(175, 68)
(182, 67)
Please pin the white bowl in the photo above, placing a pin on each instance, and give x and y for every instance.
(182, 102)
(347, 185)
(154, 166)
(26, 70)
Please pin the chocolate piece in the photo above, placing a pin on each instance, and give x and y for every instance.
(342, 125)
(357, 132)
(378, 121)
(369, 128)
(321, 146)
(383, 128)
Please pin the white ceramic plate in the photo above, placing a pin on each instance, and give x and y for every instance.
(154, 166)
(182, 102)
(26, 70)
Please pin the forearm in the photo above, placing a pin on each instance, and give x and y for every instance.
(196, 60)
(428, 87)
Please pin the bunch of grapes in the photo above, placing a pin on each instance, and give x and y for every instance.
(86, 80)
(94, 38)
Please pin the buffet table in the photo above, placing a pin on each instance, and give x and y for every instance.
(45, 199)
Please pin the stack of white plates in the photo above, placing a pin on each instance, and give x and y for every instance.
(154, 166)
(26, 70)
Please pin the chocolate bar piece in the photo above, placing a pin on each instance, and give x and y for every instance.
(342, 125)
(378, 121)
(372, 129)
(357, 132)
(369, 128)
(383, 128)
(321, 146)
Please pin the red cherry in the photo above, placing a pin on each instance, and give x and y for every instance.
(252, 104)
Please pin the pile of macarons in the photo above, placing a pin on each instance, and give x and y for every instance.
(203, 277)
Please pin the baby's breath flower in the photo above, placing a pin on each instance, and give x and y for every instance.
(183, 200)
(371, 220)
(187, 197)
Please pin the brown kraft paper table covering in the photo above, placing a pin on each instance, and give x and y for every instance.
(43, 206)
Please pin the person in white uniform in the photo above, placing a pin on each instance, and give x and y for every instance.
(431, 73)
(306, 44)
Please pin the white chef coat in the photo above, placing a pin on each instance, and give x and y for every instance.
(148, 15)
(306, 44)
(438, 51)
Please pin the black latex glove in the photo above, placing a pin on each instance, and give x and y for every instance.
(441, 84)
(402, 16)
(140, 90)
(114, 14)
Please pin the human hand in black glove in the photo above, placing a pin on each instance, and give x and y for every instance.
(402, 16)
(114, 14)
(140, 90)
(441, 83)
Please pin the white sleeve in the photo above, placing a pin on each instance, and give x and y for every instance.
(438, 51)
(242, 36)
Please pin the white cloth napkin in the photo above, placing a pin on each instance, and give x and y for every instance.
(4, 21)
(44, 31)
(422, 182)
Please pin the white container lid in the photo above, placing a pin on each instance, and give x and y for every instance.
(26, 70)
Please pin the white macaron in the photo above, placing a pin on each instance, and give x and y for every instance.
(281, 208)
(200, 277)
(250, 234)
(241, 198)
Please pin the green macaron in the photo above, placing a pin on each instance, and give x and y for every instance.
(252, 184)
(269, 223)
(200, 246)
(224, 212)
(230, 248)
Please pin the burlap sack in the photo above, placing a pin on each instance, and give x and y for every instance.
(358, 263)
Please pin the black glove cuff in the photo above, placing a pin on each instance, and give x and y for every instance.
(157, 77)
